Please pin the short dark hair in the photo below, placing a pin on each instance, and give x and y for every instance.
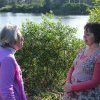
(94, 28)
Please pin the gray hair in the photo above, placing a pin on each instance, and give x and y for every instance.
(9, 35)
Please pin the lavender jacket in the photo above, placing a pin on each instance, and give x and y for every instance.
(11, 83)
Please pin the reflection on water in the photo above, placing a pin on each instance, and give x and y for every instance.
(77, 21)
(17, 18)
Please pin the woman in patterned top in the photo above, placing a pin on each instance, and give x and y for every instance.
(83, 78)
(11, 83)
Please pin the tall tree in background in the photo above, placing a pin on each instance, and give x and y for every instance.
(96, 2)
(2, 3)
(95, 12)
(28, 1)
(47, 5)
(13, 2)
(38, 3)
(59, 1)
(20, 1)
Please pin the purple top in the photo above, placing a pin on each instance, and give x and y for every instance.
(11, 83)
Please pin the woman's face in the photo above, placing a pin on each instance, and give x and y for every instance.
(19, 44)
(88, 37)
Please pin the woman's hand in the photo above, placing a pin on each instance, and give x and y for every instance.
(67, 87)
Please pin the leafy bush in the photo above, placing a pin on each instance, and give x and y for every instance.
(6, 8)
(95, 15)
(48, 52)
(74, 8)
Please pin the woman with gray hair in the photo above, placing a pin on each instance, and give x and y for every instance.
(11, 83)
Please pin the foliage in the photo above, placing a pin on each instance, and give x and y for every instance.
(23, 8)
(75, 8)
(2, 3)
(48, 52)
(96, 2)
(95, 15)
(43, 6)
(6, 8)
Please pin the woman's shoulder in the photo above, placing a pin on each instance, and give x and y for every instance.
(9, 58)
(98, 56)
(8, 64)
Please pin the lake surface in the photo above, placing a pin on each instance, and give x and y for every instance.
(77, 21)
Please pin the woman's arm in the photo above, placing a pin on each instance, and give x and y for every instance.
(68, 78)
(69, 74)
(7, 72)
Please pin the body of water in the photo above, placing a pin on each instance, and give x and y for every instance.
(77, 21)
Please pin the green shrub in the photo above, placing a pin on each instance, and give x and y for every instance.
(74, 8)
(48, 52)
(95, 15)
(6, 8)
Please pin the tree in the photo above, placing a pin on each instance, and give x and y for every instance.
(95, 12)
(95, 15)
(28, 1)
(2, 3)
(96, 2)
(47, 4)
(38, 2)
(60, 1)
